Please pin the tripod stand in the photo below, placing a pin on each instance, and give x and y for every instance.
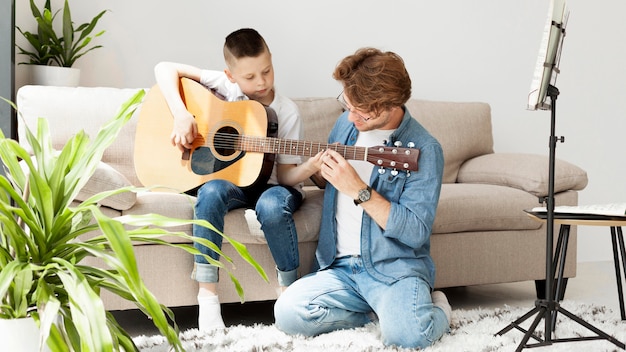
(548, 308)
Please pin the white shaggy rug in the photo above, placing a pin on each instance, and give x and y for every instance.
(471, 330)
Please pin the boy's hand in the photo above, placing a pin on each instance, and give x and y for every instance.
(315, 162)
(184, 132)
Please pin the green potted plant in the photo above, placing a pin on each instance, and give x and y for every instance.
(58, 52)
(42, 244)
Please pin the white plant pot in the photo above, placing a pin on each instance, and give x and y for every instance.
(20, 335)
(55, 76)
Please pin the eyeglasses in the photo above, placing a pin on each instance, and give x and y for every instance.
(346, 107)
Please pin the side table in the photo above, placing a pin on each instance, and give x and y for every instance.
(566, 220)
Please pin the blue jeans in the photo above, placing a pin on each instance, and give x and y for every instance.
(344, 296)
(274, 209)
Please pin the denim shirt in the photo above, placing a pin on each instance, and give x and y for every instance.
(402, 249)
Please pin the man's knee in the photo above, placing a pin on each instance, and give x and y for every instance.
(285, 316)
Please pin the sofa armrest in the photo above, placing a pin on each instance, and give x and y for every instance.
(106, 178)
(528, 172)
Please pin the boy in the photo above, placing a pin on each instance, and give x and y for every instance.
(249, 75)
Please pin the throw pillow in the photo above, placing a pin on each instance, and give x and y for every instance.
(528, 172)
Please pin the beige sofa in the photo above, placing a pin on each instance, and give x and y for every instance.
(481, 234)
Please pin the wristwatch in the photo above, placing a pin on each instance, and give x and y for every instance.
(364, 195)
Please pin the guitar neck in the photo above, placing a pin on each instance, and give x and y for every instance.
(297, 147)
(392, 157)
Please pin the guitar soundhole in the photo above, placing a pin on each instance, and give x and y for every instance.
(225, 141)
(224, 153)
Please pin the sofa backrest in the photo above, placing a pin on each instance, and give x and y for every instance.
(318, 117)
(463, 129)
(70, 110)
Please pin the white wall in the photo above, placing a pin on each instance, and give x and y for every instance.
(483, 50)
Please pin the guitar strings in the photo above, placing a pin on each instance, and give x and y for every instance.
(280, 146)
(230, 142)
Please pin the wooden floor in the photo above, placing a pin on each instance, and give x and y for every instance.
(595, 282)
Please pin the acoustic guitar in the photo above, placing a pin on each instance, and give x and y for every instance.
(236, 142)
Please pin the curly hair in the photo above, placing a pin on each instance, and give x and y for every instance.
(374, 80)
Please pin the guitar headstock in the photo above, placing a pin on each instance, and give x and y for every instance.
(404, 159)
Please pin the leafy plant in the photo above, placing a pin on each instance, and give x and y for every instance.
(50, 48)
(44, 239)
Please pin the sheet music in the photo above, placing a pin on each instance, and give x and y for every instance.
(611, 209)
(546, 68)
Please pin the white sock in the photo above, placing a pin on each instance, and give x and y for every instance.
(209, 313)
(440, 300)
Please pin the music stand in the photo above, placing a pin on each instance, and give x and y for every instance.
(543, 87)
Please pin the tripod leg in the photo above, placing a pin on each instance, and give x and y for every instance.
(616, 234)
(561, 253)
(542, 312)
(518, 321)
(563, 234)
(599, 332)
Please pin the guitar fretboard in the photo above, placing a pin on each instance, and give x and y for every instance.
(297, 147)
(393, 157)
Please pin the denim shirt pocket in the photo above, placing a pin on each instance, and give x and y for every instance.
(390, 185)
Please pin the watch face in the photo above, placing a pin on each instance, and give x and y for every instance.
(364, 195)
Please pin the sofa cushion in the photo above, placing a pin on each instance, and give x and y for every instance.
(243, 226)
(106, 178)
(527, 172)
(169, 204)
(240, 224)
(478, 207)
(463, 129)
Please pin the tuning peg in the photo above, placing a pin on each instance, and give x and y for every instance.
(394, 172)
(381, 170)
(397, 143)
(410, 145)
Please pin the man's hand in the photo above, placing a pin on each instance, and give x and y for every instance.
(336, 170)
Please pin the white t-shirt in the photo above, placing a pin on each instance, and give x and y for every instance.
(287, 113)
(349, 216)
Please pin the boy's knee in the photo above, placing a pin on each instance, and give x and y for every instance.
(269, 201)
(212, 187)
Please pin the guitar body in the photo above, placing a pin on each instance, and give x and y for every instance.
(159, 163)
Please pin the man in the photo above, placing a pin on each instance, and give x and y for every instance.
(374, 242)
